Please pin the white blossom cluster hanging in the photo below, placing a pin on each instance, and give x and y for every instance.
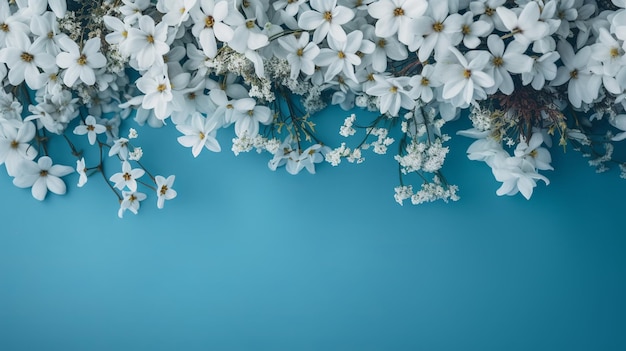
(526, 72)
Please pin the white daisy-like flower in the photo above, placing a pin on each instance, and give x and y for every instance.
(42, 176)
(80, 64)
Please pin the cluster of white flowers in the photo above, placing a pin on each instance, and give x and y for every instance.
(265, 68)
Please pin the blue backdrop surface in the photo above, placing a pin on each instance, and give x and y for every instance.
(249, 259)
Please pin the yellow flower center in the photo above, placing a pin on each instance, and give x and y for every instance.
(4, 27)
(497, 61)
(382, 43)
(425, 82)
(127, 176)
(467, 74)
(250, 24)
(14, 144)
(43, 173)
(26, 57)
(209, 22)
(150, 39)
(398, 11)
(300, 52)
(341, 55)
(328, 16)
(438, 27)
(393, 89)
(614, 52)
(161, 88)
(574, 74)
(466, 29)
(489, 11)
(164, 190)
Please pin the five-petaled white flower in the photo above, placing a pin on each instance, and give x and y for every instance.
(199, 133)
(42, 176)
(128, 177)
(80, 64)
(24, 60)
(148, 42)
(326, 18)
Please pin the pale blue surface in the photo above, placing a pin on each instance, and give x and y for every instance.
(249, 259)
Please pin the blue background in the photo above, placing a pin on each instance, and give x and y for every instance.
(249, 259)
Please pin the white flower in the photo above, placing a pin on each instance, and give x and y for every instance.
(395, 16)
(393, 94)
(91, 128)
(133, 9)
(147, 42)
(544, 68)
(465, 81)
(516, 175)
(435, 31)
(384, 48)
(158, 94)
(247, 37)
(583, 86)
(42, 176)
(200, 133)
(326, 18)
(310, 156)
(247, 116)
(15, 145)
(209, 25)
(128, 177)
(82, 172)
(23, 60)
(300, 53)
(80, 65)
(11, 25)
(527, 27)
(176, 11)
(505, 61)
(423, 83)
(532, 152)
(164, 189)
(119, 34)
(120, 148)
(46, 30)
(341, 56)
(130, 201)
(290, 7)
(470, 29)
